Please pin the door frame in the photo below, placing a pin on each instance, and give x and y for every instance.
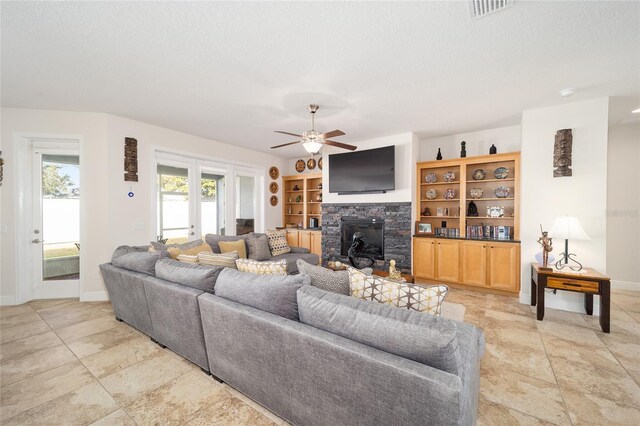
(23, 187)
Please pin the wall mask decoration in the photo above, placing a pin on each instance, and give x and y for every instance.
(131, 159)
(300, 166)
(311, 164)
(273, 187)
(273, 200)
(562, 149)
(274, 172)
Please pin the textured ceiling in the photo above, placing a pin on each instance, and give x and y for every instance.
(234, 72)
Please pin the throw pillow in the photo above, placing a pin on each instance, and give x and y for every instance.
(258, 246)
(174, 252)
(187, 258)
(401, 295)
(278, 242)
(262, 268)
(227, 260)
(326, 279)
(274, 294)
(230, 246)
(154, 246)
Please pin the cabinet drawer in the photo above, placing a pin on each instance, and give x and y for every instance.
(575, 285)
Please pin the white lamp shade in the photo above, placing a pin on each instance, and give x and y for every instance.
(312, 146)
(568, 228)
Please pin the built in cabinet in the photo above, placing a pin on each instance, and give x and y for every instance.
(481, 251)
(302, 203)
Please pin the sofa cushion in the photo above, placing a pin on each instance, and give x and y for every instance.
(164, 247)
(423, 338)
(214, 240)
(278, 243)
(135, 260)
(257, 246)
(187, 258)
(278, 267)
(419, 298)
(237, 246)
(227, 260)
(201, 277)
(271, 293)
(327, 279)
(291, 258)
(174, 252)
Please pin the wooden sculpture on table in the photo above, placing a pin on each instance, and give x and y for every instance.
(547, 246)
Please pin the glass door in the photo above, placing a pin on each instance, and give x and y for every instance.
(56, 222)
(213, 201)
(246, 202)
(175, 210)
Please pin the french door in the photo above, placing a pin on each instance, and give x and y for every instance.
(196, 197)
(56, 222)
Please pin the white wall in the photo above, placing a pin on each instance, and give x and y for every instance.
(506, 139)
(623, 206)
(112, 218)
(583, 195)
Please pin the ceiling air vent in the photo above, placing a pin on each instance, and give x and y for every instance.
(482, 8)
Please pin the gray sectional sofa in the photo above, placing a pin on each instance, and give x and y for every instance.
(310, 356)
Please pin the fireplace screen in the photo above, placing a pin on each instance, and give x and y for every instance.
(372, 231)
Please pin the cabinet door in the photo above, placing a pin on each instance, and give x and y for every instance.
(292, 238)
(424, 260)
(474, 263)
(316, 243)
(448, 260)
(504, 265)
(304, 239)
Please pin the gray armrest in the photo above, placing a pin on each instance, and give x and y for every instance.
(300, 250)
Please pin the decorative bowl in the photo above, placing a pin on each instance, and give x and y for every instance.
(431, 194)
(479, 174)
(449, 194)
(502, 192)
(476, 193)
(501, 173)
(431, 178)
(449, 176)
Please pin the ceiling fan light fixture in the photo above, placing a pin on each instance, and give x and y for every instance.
(312, 146)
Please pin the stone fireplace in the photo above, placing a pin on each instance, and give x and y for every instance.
(384, 224)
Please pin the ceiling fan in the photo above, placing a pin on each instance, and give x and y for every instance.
(312, 141)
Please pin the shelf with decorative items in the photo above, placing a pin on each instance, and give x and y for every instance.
(303, 199)
(469, 236)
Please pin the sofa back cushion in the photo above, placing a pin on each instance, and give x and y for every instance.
(134, 259)
(201, 277)
(423, 338)
(257, 246)
(214, 241)
(271, 293)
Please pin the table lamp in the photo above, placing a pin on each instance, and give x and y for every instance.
(568, 228)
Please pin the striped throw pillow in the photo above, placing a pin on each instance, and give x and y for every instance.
(262, 268)
(227, 260)
(187, 258)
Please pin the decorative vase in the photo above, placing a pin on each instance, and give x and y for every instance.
(493, 149)
(463, 150)
(439, 156)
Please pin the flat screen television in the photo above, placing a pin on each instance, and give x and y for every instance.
(371, 170)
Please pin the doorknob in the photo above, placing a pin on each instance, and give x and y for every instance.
(36, 241)
(192, 233)
(36, 231)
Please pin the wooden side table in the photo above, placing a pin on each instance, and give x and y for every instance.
(385, 274)
(589, 283)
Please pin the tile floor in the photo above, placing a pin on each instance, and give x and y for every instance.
(62, 359)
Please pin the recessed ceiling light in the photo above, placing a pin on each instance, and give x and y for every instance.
(636, 111)
(565, 93)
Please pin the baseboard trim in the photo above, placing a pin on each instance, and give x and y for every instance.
(94, 296)
(7, 300)
(625, 285)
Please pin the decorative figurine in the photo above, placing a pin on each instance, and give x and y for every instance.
(426, 212)
(493, 149)
(547, 246)
(463, 151)
(562, 148)
(355, 252)
(472, 210)
(394, 274)
(439, 156)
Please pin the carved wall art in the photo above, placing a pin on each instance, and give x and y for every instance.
(562, 149)
(131, 159)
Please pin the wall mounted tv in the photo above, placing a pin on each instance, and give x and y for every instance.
(369, 171)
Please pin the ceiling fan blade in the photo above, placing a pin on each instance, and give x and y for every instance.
(285, 144)
(287, 133)
(341, 145)
(332, 134)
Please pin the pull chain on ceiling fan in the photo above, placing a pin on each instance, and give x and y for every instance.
(312, 141)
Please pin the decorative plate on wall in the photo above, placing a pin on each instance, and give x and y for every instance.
(274, 173)
(273, 187)
(431, 178)
(311, 164)
(502, 192)
(300, 166)
(501, 173)
(273, 200)
(476, 193)
(450, 194)
(431, 194)
(320, 163)
(449, 176)
(479, 174)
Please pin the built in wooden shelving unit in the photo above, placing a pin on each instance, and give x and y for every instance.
(302, 200)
